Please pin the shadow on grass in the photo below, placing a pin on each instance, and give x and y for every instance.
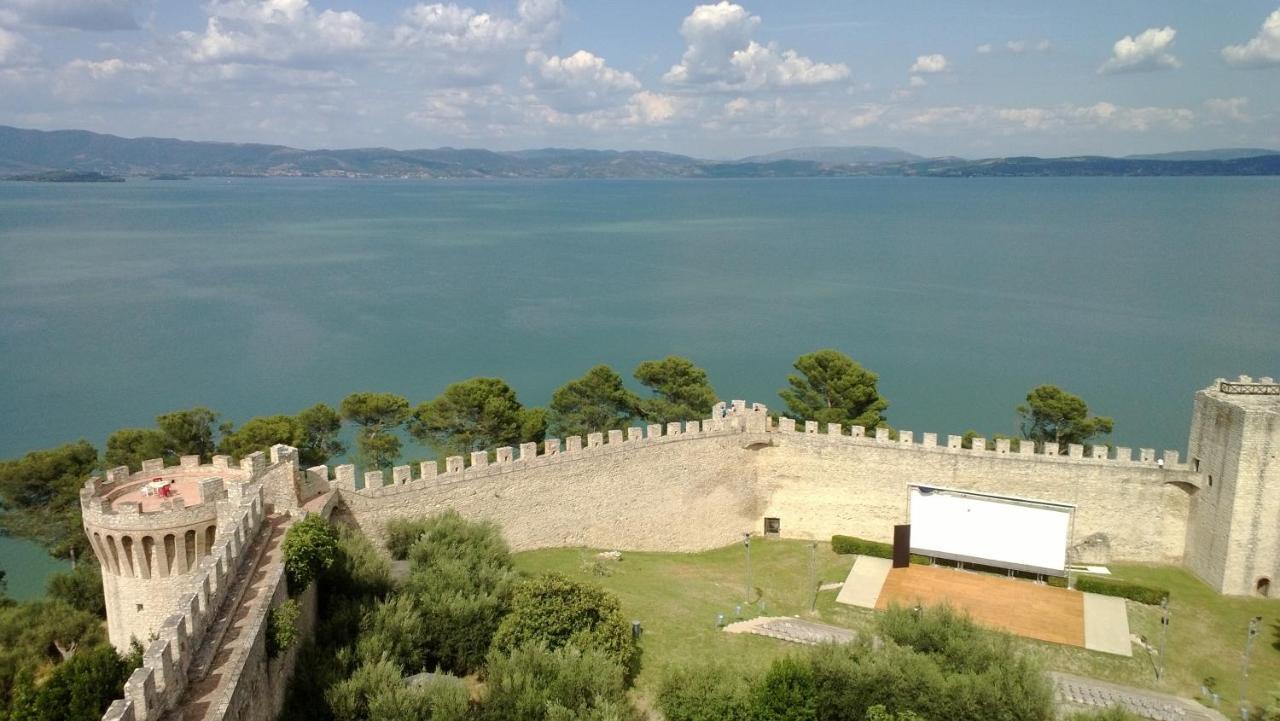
(1275, 627)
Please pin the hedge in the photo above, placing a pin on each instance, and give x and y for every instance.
(847, 545)
(1112, 587)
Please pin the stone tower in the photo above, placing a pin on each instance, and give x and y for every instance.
(149, 543)
(1233, 534)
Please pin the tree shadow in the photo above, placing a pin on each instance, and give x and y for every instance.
(1275, 628)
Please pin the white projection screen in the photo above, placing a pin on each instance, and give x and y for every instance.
(1015, 533)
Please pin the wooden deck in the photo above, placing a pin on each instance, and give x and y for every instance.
(1018, 606)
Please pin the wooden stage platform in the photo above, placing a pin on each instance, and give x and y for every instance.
(1018, 606)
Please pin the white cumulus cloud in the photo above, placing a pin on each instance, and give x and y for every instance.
(274, 31)
(1148, 51)
(578, 82)
(936, 63)
(1229, 109)
(721, 54)
(14, 49)
(1263, 49)
(984, 48)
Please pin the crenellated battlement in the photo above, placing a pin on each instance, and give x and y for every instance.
(158, 684)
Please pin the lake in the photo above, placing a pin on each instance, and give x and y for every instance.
(260, 296)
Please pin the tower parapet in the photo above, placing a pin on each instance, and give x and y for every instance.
(151, 529)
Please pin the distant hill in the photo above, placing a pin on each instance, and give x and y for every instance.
(78, 154)
(1215, 154)
(837, 155)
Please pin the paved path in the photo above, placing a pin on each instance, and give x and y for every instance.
(866, 578)
(1077, 692)
(795, 630)
(1106, 625)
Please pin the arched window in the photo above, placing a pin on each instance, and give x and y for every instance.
(126, 549)
(115, 555)
(148, 556)
(170, 551)
(209, 534)
(1264, 586)
(189, 549)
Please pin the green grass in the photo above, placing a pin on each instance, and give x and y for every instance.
(677, 597)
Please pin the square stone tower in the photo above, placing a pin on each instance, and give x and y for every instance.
(1233, 537)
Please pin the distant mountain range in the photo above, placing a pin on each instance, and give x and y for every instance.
(67, 155)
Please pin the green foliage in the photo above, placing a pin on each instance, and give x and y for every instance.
(395, 631)
(131, 446)
(259, 434)
(852, 545)
(833, 388)
(40, 497)
(554, 611)
(378, 415)
(402, 533)
(681, 390)
(1052, 414)
(460, 582)
(880, 713)
(358, 569)
(81, 688)
(1271, 712)
(1149, 595)
(189, 432)
(595, 402)
(533, 683)
(80, 588)
(310, 547)
(349, 699)
(472, 415)
(705, 693)
(282, 627)
(319, 443)
(34, 636)
(533, 424)
(787, 692)
(437, 698)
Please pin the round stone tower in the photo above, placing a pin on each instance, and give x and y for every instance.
(148, 541)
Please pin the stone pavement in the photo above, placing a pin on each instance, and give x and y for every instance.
(1077, 692)
(795, 630)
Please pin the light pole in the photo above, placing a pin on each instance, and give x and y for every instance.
(1164, 635)
(1254, 623)
(813, 574)
(746, 544)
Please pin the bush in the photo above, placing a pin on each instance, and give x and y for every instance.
(555, 611)
(80, 588)
(282, 627)
(711, 693)
(1149, 595)
(786, 692)
(80, 688)
(450, 536)
(852, 545)
(358, 569)
(533, 683)
(402, 533)
(1112, 713)
(310, 547)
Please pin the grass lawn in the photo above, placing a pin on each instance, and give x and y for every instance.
(677, 597)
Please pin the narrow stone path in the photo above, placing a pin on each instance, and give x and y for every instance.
(794, 630)
(224, 651)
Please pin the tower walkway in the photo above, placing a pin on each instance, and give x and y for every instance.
(225, 652)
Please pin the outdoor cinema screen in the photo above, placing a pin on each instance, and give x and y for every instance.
(993, 530)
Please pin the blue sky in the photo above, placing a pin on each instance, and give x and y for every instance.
(712, 80)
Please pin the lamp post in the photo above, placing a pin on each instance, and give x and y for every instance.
(1164, 634)
(746, 544)
(1252, 633)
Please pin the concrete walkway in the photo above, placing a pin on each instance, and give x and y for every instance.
(1106, 625)
(794, 630)
(865, 581)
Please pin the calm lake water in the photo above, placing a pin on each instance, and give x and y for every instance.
(122, 301)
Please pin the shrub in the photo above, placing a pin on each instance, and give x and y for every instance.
(402, 533)
(1149, 595)
(310, 547)
(555, 611)
(786, 692)
(450, 536)
(710, 693)
(1111, 713)
(80, 688)
(532, 683)
(358, 569)
(852, 545)
(80, 588)
(282, 627)
(880, 713)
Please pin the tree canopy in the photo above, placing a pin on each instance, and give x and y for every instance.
(681, 390)
(40, 496)
(320, 425)
(832, 388)
(314, 432)
(595, 402)
(472, 415)
(1054, 415)
(189, 432)
(131, 446)
(310, 547)
(378, 415)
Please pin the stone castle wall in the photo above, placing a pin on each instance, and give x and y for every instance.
(700, 485)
